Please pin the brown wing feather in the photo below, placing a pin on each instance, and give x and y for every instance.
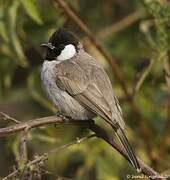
(90, 85)
(71, 78)
(93, 100)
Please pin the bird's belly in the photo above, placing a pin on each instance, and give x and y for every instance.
(66, 104)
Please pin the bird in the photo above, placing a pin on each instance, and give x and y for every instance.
(79, 86)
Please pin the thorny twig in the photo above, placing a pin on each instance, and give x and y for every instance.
(45, 156)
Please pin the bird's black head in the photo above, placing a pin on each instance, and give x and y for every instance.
(59, 42)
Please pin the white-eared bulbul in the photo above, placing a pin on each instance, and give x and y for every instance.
(80, 88)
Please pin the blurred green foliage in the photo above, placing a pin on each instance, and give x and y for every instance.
(25, 24)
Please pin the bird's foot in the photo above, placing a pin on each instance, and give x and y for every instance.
(65, 118)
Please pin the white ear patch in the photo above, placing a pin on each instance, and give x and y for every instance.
(68, 52)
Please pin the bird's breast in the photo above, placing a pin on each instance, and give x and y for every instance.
(66, 104)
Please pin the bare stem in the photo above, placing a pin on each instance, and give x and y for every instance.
(6, 117)
(45, 156)
(121, 25)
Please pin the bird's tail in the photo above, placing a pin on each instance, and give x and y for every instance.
(131, 155)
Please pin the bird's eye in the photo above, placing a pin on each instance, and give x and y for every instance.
(61, 47)
(58, 49)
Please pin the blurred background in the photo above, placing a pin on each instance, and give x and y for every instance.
(135, 34)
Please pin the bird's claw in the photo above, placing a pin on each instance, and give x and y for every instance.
(62, 116)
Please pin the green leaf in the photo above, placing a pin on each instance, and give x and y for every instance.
(32, 10)
(12, 16)
(3, 32)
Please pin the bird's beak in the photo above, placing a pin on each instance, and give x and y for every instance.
(49, 45)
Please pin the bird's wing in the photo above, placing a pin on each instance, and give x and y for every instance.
(89, 84)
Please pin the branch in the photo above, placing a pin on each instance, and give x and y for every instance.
(122, 24)
(35, 123)
(23, 155)
(154, 60)
(90, 124)
(6, 117)
(144, 76)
